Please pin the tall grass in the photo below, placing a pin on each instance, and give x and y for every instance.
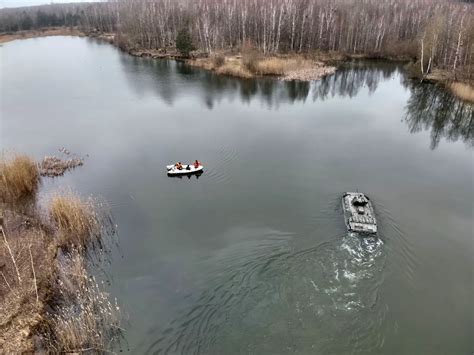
(76, 219)
(19, 177)
(82, 319)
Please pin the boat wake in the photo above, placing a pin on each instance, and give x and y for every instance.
(274, 298)
(219, 171)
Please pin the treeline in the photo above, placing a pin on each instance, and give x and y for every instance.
(438, 33)
(88, 16)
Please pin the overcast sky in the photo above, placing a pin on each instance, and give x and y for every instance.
(18, 3)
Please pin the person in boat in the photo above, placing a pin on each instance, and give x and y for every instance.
(178, 166)
(196, 164)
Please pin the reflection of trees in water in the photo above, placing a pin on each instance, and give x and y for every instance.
(431, 107)
(168, 80)
(150, 76)
(348, 81)
(345, 82)
(269, 91)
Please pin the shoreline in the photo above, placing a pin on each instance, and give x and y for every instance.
(49, 300)
(45, 32)
(302, 67)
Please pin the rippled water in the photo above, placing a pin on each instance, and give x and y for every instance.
(253, 256)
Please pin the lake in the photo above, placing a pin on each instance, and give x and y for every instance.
(253, 256)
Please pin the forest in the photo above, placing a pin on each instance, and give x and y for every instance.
(434, 33)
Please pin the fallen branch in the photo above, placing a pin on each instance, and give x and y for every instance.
(34, 274)
(6, 281)
(11, 254)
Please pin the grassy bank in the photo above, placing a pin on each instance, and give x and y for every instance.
(48, 301)
(253, 64)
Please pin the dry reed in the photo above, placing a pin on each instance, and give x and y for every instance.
(53, 166)
(76, 219)
(83, 319)
(19, 177)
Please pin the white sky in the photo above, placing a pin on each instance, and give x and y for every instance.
(19, 3)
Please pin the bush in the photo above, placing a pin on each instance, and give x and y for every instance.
(19, 177)
(122, 42)
(250, 61)
(218, 60)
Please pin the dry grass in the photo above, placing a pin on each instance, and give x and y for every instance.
(253, 63)
(76, 219)
(233, 68)
(19, 177)
(463, 91)
(281, 65)
(273, 66)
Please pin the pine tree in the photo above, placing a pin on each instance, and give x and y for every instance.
(184, 42)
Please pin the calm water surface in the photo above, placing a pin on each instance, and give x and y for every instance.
(253, 257)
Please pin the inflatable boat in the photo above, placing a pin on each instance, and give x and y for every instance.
(186, 170)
